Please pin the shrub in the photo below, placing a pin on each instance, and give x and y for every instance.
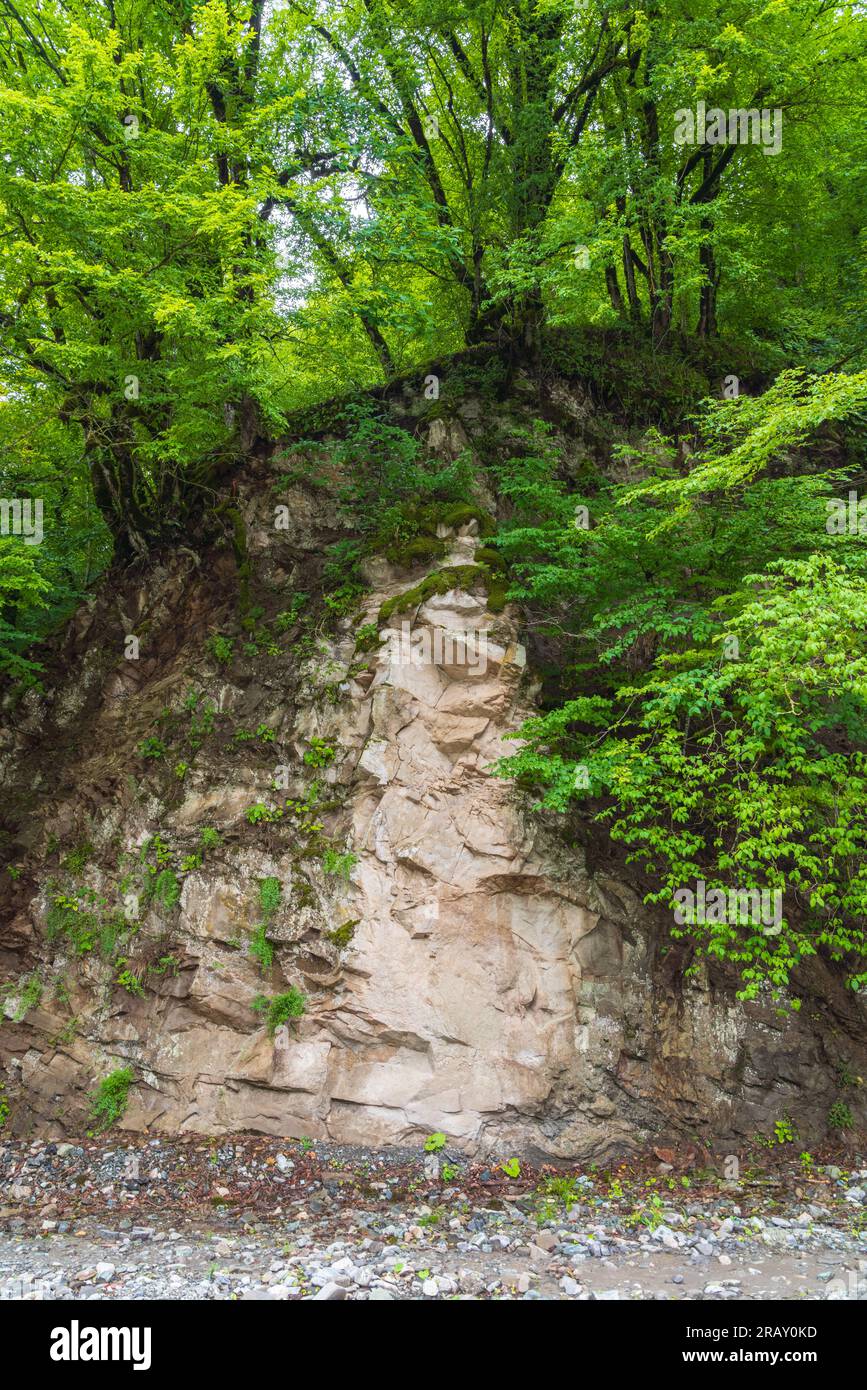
(367, 637)
(385, 472)
(152, 748)
(340, 864)
(109, 1101)
(840, 1116)
(221, 648)
(67, 917)
(111, 929)
(201, 725)
(319, 754)
(280, 1008)
(259, 814)
(130, 981)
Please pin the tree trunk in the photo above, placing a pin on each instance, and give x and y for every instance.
(613, 285)
(707, 326)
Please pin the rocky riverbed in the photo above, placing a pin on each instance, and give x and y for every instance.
(284, 1220)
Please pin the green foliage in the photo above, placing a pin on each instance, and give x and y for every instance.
(184, 259)
(840, 1116)
(260, 947)
(109, 1101)
(280, 1008)
(152, 748)
(718, 724)
(290, 616)
(556, 1192)
(77, 858)
(209, 838)
(259, 813)
(167, 889)
(319, 754)
(166, 965)
(221, 648)
(157, 848)
(4, 1107)
(29, 997)
(367, 637)
(385, 475)
(434, 1143)
(440, 582)
(341, 864)
(129, 981)
(201, 724)
(270, 892)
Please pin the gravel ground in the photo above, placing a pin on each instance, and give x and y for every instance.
(268, 1219)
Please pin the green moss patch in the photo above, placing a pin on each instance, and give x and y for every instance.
(342, 935)
(440, 582)
(416, 552)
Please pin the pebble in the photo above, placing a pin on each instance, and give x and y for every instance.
(73, 1229)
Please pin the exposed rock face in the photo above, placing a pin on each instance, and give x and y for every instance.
(485, 982)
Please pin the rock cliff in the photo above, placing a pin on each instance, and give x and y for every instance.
(464, 968)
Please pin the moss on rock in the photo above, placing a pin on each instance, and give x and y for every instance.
(439, 582)
(421, 550)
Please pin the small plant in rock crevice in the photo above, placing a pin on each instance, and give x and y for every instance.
(280, 1008)
(29, 998)
(319, 754)
(840, 1117)
(128, 980)
(152, 748)
(261, 948)
(270, 892)
(340, 864)
(167, 889)
(220, 648)
(109, 1101)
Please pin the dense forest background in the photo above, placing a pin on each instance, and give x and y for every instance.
(214, 214)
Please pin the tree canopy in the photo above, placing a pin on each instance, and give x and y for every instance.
(215, 211)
